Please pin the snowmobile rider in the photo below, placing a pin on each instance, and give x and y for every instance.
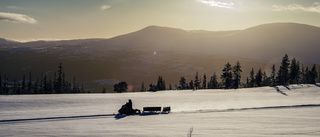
(130, 109)
(127, 109)
(129, 105)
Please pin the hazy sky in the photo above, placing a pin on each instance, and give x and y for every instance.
(27, 20)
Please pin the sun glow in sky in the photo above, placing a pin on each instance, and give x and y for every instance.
(78, 19)
(228, 5)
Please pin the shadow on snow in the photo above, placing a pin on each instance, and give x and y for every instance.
(54, 118)
(117, 117)
(279, 91)
(253, 108)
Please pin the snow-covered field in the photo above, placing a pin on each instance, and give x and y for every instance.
(266, 111)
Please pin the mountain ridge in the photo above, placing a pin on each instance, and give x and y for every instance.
(161, 28)
(152, 51)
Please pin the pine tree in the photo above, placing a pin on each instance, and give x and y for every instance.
(196, 82)
(54, 82)
(298, 74)
(41, 85)
(273, 76)
(200, 81)
(182, 83)
(161, 84)
(170, 87)
(294, 72)
(236, 75)
(204, 82)
(36, 87)
(226, 76)
(302, 75)
(15, 87)
(191, 85)
(29, 83)
(152, 87)
(283, 73)
(252, 79)
(75, 87)
(247, 83)
(143, 88)
(64, 84)
(258, 79)
(313, 75)
(49, 87)
(307, 76)
(213, 83)
(265, 79)
(23, 86)
(58, 84)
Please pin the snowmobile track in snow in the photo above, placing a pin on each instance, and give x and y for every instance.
(123, 116)
(253, 108)
(55, 118)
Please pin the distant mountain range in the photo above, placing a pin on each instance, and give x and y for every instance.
(145, 54)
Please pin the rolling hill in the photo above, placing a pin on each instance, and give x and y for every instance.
(152, 51)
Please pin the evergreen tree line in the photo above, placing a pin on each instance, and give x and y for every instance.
(288, 73)
(42, 85)
(230, 79)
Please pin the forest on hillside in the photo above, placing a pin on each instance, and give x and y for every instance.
(290, 72)
(43, 85)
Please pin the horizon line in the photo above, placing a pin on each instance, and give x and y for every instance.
(194, 30)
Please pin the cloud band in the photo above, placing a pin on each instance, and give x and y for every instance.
(315, 8)
(18, 18)
(104, 7)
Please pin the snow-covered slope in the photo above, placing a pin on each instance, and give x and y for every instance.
(266, 111)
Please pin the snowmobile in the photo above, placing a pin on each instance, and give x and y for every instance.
(125, 110)
(146, 110)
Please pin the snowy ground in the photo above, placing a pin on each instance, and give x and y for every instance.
(266, 111)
